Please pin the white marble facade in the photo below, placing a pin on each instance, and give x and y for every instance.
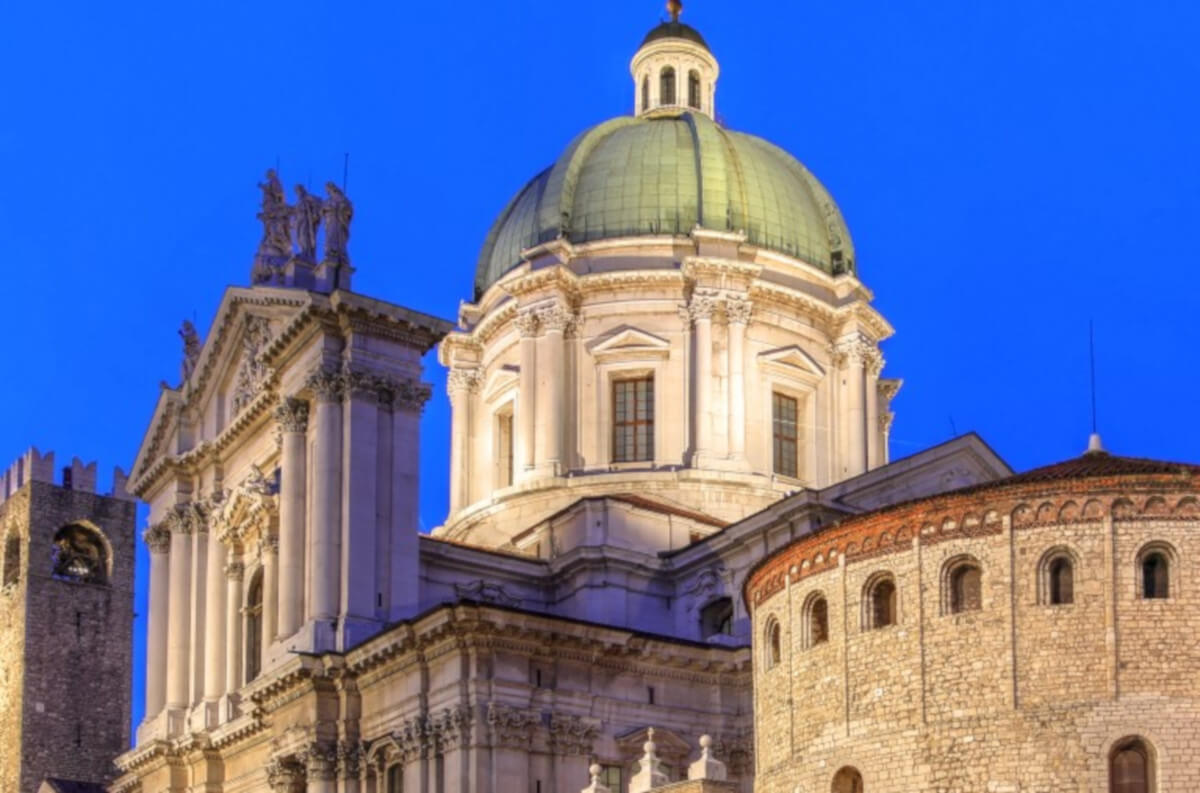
(304, 635)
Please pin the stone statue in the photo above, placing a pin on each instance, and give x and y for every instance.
(276, 246)
(337, 212)
(306, 217)
(191, 348)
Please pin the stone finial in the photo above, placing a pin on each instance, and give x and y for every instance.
(1094, 444)
(707, 767)
(597, 786)
(650, 774)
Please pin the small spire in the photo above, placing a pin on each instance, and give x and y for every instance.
(675, 8)
(1094, 444)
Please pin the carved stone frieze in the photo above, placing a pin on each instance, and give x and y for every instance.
(252, 372)
(571, 735)
(292, 414)
(511, 727)
(486, 592)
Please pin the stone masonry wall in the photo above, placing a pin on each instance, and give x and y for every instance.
(1019, 695)
(77, 643)
(13, 523)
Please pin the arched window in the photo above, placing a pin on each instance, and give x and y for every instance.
(12, 560)
(395, 779)
(666, 86)
(773, 651)
(254, 629)
(694, 89)
(1060, 588)
(881, 603)
(1156, 574)
(717, 618)
(646, 93)
(816, 620)
(847, 780)
(1130, 767)
(964, 586)
(80, 554)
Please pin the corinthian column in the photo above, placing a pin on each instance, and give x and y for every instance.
(233, 627)
(214, 628)
(551, 383)
(158, 540)
(737, 311)
(325, 552)
(700, 309)
(270, 563)
(873, 365)
(460, 384)
(321, 769)
(292, 415)
(850, 354)
(526, 322)
(179, 610)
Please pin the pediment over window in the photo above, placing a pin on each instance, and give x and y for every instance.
(499, 381)
(629, 343)
(792, 359)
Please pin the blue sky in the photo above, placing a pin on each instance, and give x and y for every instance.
(1009, 171)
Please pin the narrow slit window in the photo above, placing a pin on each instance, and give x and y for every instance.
(254, 623)
(1062, 582)
(633, 420)
(645, 93)
(504, 449)
(1155, 578)
(783, 413)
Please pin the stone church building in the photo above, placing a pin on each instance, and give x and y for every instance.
(667, 382)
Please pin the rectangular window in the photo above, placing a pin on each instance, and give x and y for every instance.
(783, 414)
(504, 449)
(611, 777)
(633, 420)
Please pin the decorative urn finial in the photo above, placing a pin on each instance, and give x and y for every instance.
(675, 8)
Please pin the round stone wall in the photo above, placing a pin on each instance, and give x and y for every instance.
(1025, 636)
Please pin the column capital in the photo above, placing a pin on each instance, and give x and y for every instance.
(285, 775)
(462, 381)
(526, 322)
(234, 571)
(556, 318)
(269, 544)
(157, 539)
(737, 309)
(874, 362)
(703, 304)
(351, 758)
(855, 349)
(320, 761)
(325, 384)
(411, 395)
(885, 422)
(359, 384)
(292, 414)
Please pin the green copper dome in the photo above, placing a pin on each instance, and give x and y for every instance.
(667, 175)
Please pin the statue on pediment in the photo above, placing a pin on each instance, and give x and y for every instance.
(275, 248)
(191, 348)
(306, 218)
(337, 212)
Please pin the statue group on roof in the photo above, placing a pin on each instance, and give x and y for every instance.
(290, 231)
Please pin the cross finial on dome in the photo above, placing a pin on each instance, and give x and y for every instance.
(675, 8)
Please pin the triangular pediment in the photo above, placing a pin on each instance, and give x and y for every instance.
(501, 380)
(792, 357)
(627, 340)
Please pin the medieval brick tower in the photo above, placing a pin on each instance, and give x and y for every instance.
(66, 622)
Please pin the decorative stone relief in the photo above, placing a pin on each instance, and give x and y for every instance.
(462, 381)
(320, 761)
(853, 350)
(285, 775)
(486, 592)
(571, 735)
(511, 727)
(450, 728)
(708, 582)
(252, 373)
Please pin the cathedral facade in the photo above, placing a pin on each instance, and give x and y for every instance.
(669, 369)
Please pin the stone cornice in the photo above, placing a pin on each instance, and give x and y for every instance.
(556, 278)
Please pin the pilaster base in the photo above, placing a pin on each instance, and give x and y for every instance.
(314, 636)
(152, 728)
(177, 722)
(230, 707)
